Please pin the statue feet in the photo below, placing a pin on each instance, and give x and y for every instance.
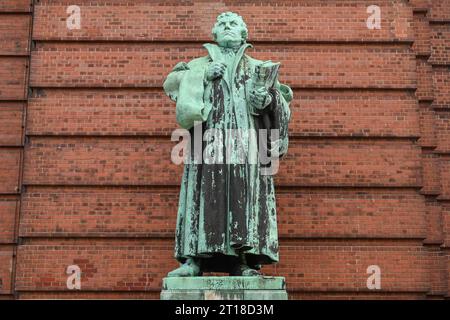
(188, 269)
(245, 271)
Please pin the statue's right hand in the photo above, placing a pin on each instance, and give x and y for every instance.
(215, 70)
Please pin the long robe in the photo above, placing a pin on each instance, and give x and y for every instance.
(226, 207)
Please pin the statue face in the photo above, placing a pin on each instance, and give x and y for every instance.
(229, 32)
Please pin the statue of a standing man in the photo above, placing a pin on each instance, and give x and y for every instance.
(227, 214)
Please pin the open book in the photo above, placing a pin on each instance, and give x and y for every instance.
(266, 74)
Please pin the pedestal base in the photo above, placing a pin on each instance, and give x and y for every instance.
(224, 288)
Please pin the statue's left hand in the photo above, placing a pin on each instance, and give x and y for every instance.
(260, 98)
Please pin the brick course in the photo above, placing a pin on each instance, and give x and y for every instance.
(11, 122)
(140, 265)
(149, 112)
(9, 170)
(146, 161)
(6, 266)
(13, 77)
(147, 64)
(151, 212)
(8, 209)
(172, 20)
(14, 31)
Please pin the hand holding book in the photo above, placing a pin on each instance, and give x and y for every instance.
(264, 79)
(266, 74)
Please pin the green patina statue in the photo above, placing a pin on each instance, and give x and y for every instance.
(227, 214)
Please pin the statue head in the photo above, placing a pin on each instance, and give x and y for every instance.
(230, 30)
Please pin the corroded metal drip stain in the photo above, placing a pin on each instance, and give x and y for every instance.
(217, 97)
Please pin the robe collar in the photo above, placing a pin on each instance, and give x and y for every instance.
(214, 50)
(215, 53)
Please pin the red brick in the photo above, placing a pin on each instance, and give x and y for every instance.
(444, 166)
(15, 6)
(11, 118)
(8, 209)
(422, 33)
(13, 77)
(150, 112)
(350, 163)
(84, 295)
(427, 125)
(447, 257)
(434, 220)
(150, 212)
(431, 173)
(439, 10)
(101, 112)
(105, 266)
(343, 268)
(137, 265)
(442, 124)
(420, 5)
(424, 80)
(145, 161)
(6, 265)
(9, 170)
(283, 20)
(445, 207)
(438, 271)
(146, 65)
(358, 213)
(116, 161)
(354, 113)
(347, 296)
(119, 211)
(441, 85)
(14, 32)
(440, 47)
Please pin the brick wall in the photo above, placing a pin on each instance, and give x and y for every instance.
(15, 28)
(89, 182)
(432, 23)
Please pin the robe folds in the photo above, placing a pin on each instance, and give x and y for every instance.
(226, 207)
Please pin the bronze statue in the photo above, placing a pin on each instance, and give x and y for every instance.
(227, 214)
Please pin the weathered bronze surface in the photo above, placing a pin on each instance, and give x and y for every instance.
(227, 213)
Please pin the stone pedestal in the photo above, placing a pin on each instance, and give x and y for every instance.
(224, 288)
